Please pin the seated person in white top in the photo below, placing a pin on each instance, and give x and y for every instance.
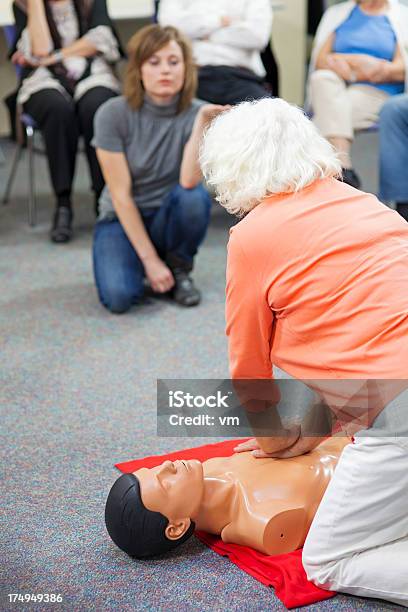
(227, 37)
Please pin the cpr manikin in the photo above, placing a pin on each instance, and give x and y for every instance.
(267, 504)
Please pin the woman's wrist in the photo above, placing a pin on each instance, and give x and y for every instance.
(394, 71)
(55, 57)
(148, 257)
(58, 56)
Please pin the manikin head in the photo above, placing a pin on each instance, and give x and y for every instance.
(150, 512)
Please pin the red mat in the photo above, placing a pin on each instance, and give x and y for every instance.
(284, 572)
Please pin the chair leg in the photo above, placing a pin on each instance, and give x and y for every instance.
(31, 195)
(10, 181)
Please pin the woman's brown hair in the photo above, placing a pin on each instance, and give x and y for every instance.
(143, 45)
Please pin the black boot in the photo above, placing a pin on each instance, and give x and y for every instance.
(61, 230)
(184, 291)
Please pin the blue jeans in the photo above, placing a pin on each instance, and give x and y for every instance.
(177, 228)
(394, 150)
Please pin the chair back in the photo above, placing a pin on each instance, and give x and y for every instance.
(10, 34)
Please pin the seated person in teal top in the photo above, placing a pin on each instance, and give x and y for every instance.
(369, 35)
(358, 61)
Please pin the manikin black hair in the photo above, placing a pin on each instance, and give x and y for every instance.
(136, 530)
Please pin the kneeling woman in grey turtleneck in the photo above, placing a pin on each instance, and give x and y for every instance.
(154, 212)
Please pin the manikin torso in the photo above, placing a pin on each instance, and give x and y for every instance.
(270, 502)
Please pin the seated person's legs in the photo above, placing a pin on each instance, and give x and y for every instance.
(332, 114)
(177, 230)
(394, 153)
(339, 110)
(229, 85)
(366, 54)
(366, 104)
(117, 268)
(188, 213)
(56, 118)
(87, 106)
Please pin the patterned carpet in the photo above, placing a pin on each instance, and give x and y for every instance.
(77, 389)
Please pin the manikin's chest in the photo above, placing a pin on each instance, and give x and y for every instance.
(275, 500)
(275, 518)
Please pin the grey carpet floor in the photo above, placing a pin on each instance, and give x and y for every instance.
(78, 388)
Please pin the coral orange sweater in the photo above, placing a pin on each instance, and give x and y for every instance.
(317, 284)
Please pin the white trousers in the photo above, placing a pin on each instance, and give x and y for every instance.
(339, 109)
(358, 541)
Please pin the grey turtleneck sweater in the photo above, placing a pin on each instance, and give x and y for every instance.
(152, 140)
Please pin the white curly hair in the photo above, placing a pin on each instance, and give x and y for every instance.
(262, 148)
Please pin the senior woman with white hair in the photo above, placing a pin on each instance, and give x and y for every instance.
(317, 284)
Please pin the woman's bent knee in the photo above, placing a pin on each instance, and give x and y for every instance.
(116, 302)
(195, 202)
(196, 194)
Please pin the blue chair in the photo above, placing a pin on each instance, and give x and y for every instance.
(26, 126)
